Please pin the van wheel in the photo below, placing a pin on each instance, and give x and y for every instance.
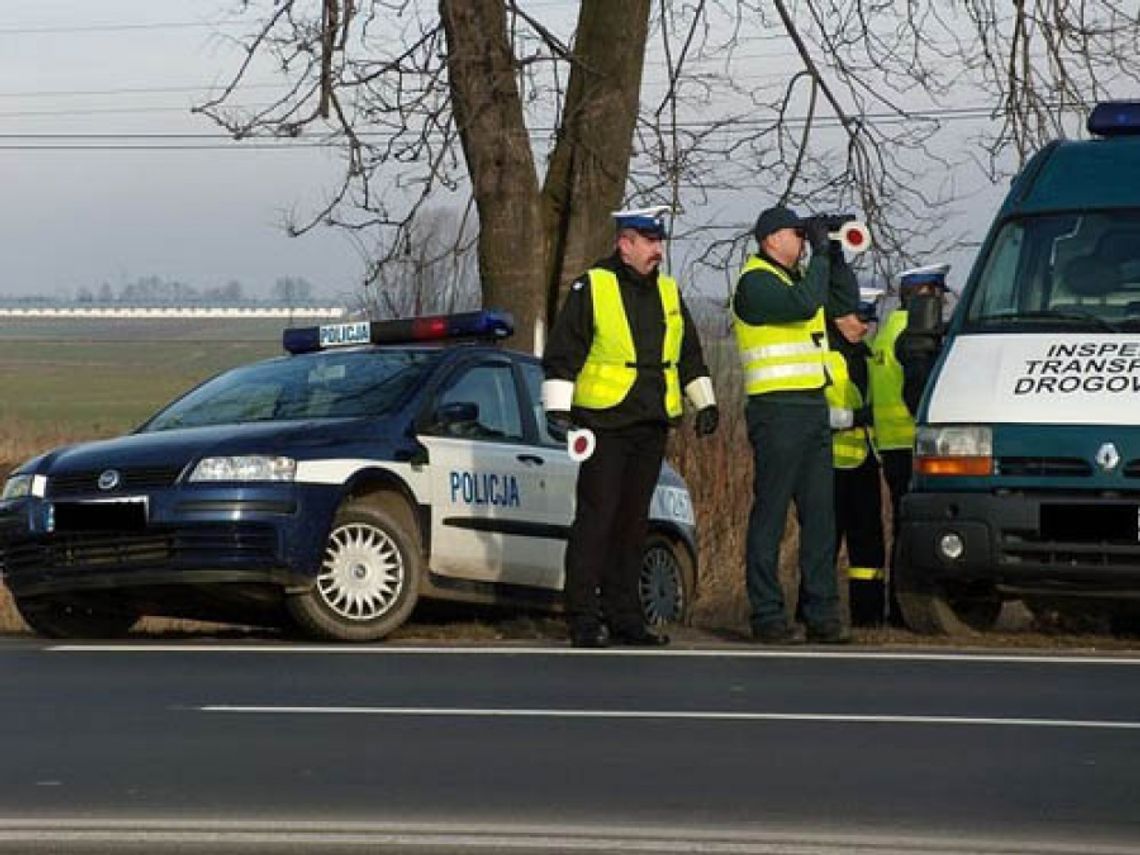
(75, 618)
(949, 613)
(370, 575)
(667, 583)
(933, 608)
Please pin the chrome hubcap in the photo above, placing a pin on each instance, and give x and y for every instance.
(363, 573)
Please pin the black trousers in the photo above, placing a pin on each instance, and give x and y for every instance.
(859, 524)
(607, 538)
(897, 466)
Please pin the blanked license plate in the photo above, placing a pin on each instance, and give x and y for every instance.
(127, 514)
(1117, 522)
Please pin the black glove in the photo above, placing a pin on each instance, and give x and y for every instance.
(707, 420)
(817, 233)
(558, 424)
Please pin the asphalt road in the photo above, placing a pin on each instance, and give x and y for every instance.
(254, 747)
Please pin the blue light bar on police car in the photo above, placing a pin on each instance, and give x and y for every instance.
(1115, 119)
(485, 324)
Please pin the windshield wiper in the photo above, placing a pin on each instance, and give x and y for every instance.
(1050, 315)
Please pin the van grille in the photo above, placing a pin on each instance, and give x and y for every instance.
(1044, 467)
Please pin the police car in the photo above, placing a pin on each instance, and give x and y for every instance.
(377, 463)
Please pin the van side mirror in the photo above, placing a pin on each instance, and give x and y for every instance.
(924, 315)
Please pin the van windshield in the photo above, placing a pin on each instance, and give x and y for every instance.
(1061, 271)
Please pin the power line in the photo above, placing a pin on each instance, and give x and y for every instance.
(734, 127)
(131, 90)
(114, 28)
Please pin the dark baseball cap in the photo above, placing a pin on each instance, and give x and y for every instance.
(774, 219)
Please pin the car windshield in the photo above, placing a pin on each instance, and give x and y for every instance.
(326, 385)
(1068, 271)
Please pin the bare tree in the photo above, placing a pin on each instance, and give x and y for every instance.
(461, 76)
(436, 275)
(545, 133)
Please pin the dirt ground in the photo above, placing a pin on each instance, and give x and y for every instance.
(1016, 630)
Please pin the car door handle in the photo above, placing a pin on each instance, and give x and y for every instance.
(531, 458)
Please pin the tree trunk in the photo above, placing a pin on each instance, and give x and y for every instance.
(488, 112)
(530, 244)
(589, 167)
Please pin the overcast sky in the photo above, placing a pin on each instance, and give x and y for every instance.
(98, 186)
(82, 210)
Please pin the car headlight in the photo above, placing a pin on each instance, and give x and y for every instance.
(247, 467)
(954, 450)
(16, 487)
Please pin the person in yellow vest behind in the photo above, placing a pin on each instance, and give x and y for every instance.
(858, 494)
(898, 374)
(778, 316)
(620, 353)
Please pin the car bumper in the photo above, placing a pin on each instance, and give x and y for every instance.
(271, 535)
(1048, 543)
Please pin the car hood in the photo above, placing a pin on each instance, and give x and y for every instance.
(177, 448)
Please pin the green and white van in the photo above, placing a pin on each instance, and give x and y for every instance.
(1026, 477)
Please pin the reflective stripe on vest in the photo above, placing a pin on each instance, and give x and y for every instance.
(866, 574)
(780, 357)
(894, 425)
(610, 369)
(848, 446)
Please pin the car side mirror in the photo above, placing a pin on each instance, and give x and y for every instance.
(455, 413)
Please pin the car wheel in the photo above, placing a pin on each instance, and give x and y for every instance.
(667, 583)
(75, 618)
(369, 578)
(934, 608)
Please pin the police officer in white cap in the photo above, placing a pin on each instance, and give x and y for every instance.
(619, 356)
(900, 366)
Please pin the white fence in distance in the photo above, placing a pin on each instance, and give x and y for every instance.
(144, 313)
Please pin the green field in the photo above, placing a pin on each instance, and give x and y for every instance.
(79, 379)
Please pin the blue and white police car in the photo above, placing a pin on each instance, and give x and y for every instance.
(377, 463)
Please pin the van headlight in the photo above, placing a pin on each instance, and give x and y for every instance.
(247, 467)
(17, 487)
(954, 450)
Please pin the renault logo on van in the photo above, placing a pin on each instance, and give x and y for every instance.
(109, 480)
(1107, 457)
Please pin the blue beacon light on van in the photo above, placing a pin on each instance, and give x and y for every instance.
(1115, 119)
(487, 324)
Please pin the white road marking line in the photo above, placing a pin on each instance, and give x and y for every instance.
(483, 836)
(1076, 658)
(679, 715)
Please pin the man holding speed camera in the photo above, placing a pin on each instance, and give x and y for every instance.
(619, 355)
(779, 314)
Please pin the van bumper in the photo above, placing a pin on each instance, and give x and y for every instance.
(1049, 543)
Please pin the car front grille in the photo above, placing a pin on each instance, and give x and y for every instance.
(131, 479)
(200, 546)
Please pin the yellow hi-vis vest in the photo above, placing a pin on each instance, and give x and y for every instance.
(780, 357)
(848, 446)
(894, 425)
(611, 365)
